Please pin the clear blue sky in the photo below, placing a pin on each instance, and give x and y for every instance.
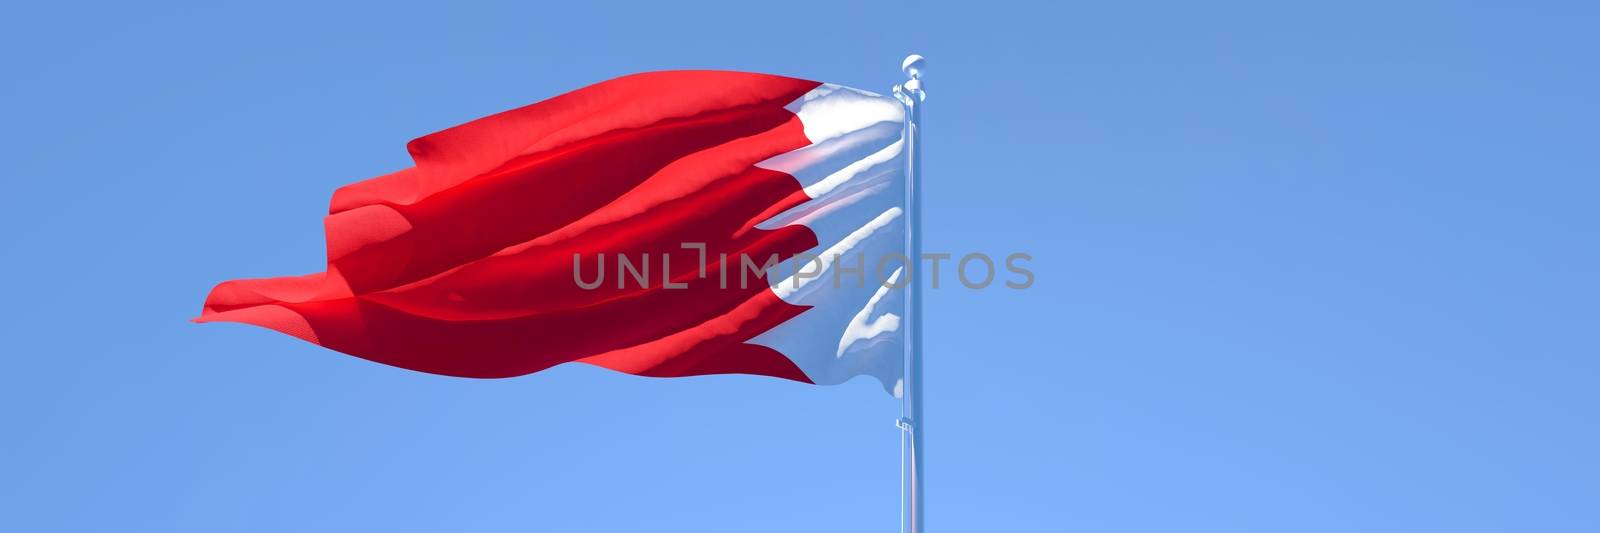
(1299, 269)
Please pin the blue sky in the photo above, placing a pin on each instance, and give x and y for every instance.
(1322, 268)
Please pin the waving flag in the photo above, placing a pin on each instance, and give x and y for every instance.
(612, 226)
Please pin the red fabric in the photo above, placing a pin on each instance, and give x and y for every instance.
(462, 265)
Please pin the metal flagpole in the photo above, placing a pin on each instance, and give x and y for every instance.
(911, 424)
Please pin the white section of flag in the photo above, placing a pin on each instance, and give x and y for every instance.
(854, 172)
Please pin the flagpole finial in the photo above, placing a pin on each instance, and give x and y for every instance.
(911, 90)
(913, 66)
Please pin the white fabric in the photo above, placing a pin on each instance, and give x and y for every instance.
(854, 172)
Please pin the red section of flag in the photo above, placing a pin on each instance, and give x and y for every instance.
(463, 264)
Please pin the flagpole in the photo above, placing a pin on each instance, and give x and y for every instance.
(912, 432)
